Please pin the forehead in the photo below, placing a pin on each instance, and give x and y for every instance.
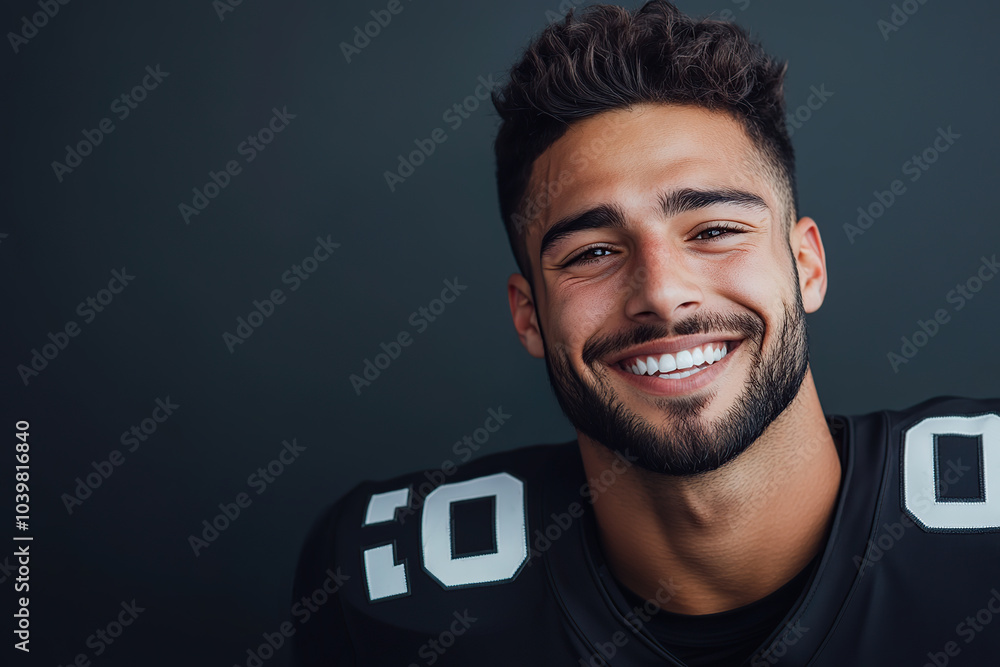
(629, 156)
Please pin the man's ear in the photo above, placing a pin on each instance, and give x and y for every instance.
(810, 259)
(523, 312)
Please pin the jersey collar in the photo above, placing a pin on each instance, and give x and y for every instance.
(607, 628)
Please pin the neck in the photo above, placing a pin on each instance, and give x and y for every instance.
(726, 538)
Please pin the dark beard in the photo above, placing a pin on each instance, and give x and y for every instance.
(687, 446)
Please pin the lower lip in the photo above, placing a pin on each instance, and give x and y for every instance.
(667, 387)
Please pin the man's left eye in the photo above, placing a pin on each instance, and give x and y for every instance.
(588, 256)
(716, 232)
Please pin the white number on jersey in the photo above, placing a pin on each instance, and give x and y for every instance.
(388, 579)
(921, 476)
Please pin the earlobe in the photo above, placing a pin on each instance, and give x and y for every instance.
(810, 259)
(523, 312)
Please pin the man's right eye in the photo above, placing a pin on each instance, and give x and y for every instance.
(586, 256)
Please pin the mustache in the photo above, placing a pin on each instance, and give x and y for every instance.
(750, 326)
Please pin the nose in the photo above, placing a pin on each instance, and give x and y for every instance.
(663, 284)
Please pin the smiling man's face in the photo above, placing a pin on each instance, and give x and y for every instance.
(669, 309)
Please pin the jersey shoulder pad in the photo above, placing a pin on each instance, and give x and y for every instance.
(940, 406)
(408, 544)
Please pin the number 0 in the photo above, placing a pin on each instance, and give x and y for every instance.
(509, 526)
(920, 481)
(388, 579)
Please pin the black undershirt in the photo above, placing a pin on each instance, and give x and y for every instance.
(728, 638)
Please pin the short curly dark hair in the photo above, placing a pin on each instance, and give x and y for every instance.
(610, 58)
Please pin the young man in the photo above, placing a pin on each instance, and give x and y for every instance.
(708, 513)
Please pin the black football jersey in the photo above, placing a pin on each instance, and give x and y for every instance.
(498, 562)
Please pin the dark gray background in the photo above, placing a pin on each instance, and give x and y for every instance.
(323, 175)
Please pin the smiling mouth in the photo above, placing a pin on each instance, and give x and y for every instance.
(678, 365)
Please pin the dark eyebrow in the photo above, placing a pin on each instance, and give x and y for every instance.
(600, 217)
(687, 199)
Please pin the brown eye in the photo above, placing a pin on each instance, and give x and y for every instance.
(717, 232)
(590, 255)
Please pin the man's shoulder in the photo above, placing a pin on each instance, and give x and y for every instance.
(937, 414)
(920, 527)
(944, 406)
(407, 545)
(937, 406)
(396, 498)
(428, 553)
(523, 462)
(925, 448)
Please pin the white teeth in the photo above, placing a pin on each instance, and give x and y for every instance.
(651, 366)
(681, 375)
(696, 359)
(667, 363)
